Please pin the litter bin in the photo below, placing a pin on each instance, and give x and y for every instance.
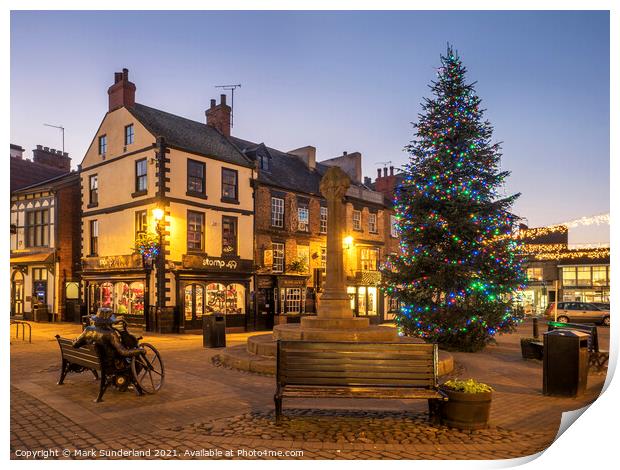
(40, 313)
(214, 331)
(565, 363)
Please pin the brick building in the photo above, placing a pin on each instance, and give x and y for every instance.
(46, 163)
(45, 242)
(290, 234)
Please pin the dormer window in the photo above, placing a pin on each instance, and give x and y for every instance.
(263, 162)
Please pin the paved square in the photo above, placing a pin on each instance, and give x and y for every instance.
(205, 411)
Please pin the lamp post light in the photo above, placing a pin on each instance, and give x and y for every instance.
(158, 215)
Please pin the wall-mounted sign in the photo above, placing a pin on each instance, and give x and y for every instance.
(268, 258)
(211, 263)
(112, 262)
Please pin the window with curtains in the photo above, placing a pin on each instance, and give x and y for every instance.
(303, 217)
(93, 190)
(368, 259)
(195, 231)
(94, 237)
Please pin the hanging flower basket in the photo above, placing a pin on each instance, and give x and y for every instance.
(147, 245)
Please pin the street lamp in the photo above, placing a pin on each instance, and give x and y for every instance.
(158, 215)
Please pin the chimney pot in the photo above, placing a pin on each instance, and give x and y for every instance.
(223, 99)
(118, 76)
(46, 149)
(378, 172)
(39, 147)
(391, 171)
(213, 103)
(384, 171)
(344, 154)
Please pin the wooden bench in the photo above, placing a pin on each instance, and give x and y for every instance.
(82, 359)
(357, 370)
(598, 358)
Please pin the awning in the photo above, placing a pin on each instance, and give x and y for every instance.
(32, 258)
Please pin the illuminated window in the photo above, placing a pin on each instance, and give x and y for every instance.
(195, 231)
(357, 220)
(368, 259)
(278, 257)
(323, 221)
(372, 223)
(535, 274)
(303, 215)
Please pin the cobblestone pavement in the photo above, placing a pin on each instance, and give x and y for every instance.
(211, 412)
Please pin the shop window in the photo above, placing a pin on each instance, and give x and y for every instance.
(324, 257)
(228, 299)
(292, 300)
(230, 185)
(277, 212)
(535, 274)
(368, 259)
(136, 298)
(569, 276)
(599, 275)
(584, 276)
(323, 221)
(357, 220)
(351, 292)
(229, 235)
(235, 299)
(121, 298)
(372, 223)
(278, 257)
(195, 231)
(37, 228)
(106, 293)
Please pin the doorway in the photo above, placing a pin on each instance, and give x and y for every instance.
(193, 306)
(17, 294)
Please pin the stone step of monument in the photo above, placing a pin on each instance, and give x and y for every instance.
(371, 333)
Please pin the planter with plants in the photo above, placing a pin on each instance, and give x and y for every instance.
(530, 348)
(468, 406)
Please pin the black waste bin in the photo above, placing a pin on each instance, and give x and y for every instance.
(40, 313)
(214, 331)
(565, 363)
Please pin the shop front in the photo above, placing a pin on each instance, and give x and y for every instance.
(209, 285)
(366, 297)
(280, 299)
(118, 283)
(585, 283)
(33, 285)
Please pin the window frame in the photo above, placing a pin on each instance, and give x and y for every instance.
(139, 223)
(102, 142)
(93, 201)
(203, 178)
(132, 134)
(235, 186)
(201, 232)
(356, 222)
(363, 260)
(93, 237)
(273, 213)
(37, 227)
(303, 208)
(283, 257)
(235, 222)
(373, 216)
(139, 177)
(323, 215)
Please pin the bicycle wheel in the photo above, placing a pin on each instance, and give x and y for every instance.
(147, 369)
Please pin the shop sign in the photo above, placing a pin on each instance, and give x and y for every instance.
(211, 263)
(264, 282)
(292, 282)
(112, 262)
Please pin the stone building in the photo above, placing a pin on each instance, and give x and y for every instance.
(290, 234)
(171, 183)
(45, 243)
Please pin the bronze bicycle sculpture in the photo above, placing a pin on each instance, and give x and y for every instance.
(107, 347)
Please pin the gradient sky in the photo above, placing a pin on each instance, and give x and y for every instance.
(339, 81)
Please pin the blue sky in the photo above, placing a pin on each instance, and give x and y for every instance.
(339, 81)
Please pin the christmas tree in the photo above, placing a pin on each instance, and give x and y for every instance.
(459, 265)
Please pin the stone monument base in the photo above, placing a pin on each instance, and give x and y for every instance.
(325, 329)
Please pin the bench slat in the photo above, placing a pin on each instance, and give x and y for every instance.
(352, 367)
(354, 346)
(353, 381)
(357, 355)
(359, 392)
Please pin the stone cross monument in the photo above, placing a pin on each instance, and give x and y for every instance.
(335, 320)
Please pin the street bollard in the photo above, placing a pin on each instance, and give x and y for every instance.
(535, 332)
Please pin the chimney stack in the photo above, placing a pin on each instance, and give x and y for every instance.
(385, 171)
(17, 151)
(307, 154)
(52, 157)
(378, 172)
(218, 116)
(122, 93)
(391, 171)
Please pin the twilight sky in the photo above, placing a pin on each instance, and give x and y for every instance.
(339, 81)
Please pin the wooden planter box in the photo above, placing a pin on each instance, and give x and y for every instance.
(467, 411)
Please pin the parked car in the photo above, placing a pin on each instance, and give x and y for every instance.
(578, 312)
(602, 305)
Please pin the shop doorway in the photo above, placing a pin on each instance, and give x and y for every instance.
(17, 294)
(193, 306)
